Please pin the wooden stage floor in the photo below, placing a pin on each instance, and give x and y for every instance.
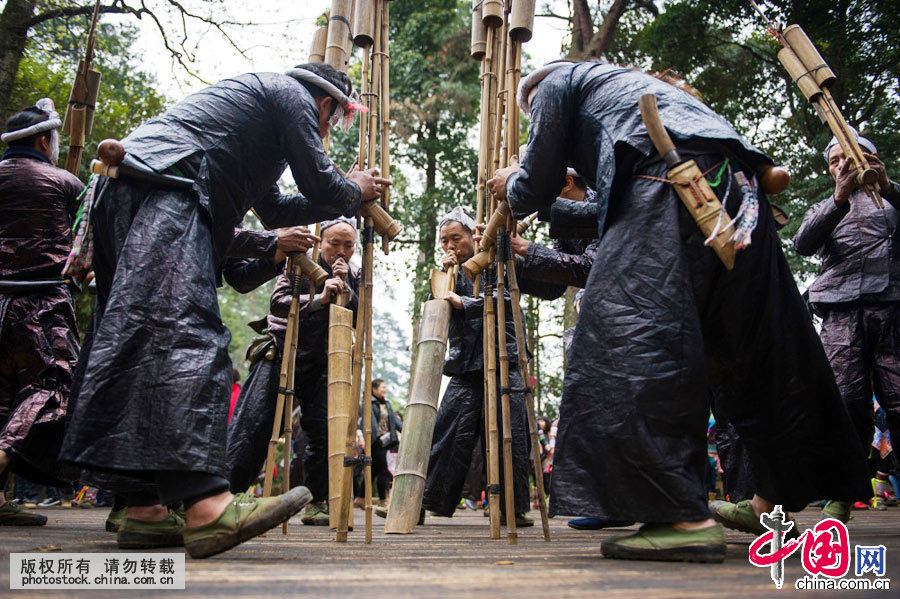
(446, 558)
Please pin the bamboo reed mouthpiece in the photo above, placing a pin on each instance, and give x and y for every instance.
(312, 271)
(489, 237)
(364, 23)
(384, 225)
(492, 13)
(476, 264)
(521, 20)
(806, 51)
(479, 32)
(319, 41)
(773, 179)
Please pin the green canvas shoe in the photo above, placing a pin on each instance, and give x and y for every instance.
(244, 518)
(523, 521)
(839, 510)
(144, 534)
(663, 542)
(114, 520)
(316, 515)
(12, 514)
(740, 516)
(381, 512)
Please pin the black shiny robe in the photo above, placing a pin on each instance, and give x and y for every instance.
(663, 323)
(157, 381)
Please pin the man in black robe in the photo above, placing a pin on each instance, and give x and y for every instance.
(858, 293)
(153, 401)
(567, 263)
(251, 424)
(459, 424)
(38, 334)
(663, 323)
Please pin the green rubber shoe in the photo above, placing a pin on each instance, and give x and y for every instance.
(114, 520)
(740, 516)
(244, 518)
(316, 515)
(381, 511)
(523, 521)
(144, 534)
(839, 510)
(663, 542)
(12, 514)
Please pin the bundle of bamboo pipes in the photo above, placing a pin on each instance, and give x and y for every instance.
(497, 43)
(370, 20)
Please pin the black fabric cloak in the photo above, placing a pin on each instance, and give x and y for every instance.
(157, 382)
(459, 424)
(663, 323)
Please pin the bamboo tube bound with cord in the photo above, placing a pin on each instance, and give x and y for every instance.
(338, 31)
(421, 409)
(79, 117)
(812, 75)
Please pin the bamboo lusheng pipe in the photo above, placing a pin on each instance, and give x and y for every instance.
(319, 41)
(340, 403)
(285, 398)
(368, 275)
(522, 354)
(505, 415)
(811, 74)
(477, 263)
(421, 409)
(364, 23)
(521, 21)
(478, 45)
(338, 31)
(385, 97)
(490, 399)
(500, 149)
(492, 13)
(79, 116)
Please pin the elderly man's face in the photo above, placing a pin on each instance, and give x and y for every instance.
(835, 159)
(456, 238)
(338, 241)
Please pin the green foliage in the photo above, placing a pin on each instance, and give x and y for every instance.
(128, 95)
(732, 61)
(434, 97)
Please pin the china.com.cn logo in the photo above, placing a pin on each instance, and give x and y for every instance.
(824, 552)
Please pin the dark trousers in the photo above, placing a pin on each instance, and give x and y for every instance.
(380, 474)
(863, 345)
(174, 488)
(312, 389)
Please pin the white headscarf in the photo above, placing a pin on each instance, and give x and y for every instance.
(533, 78)
(53, 123)
(346, 105)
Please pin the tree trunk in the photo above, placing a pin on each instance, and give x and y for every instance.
(582, 27)
(13, 35)
(570, 317)
(600, 41)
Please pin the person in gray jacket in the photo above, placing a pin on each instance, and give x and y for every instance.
(857, 292)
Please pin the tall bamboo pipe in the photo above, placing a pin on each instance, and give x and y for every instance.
(506, 419)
